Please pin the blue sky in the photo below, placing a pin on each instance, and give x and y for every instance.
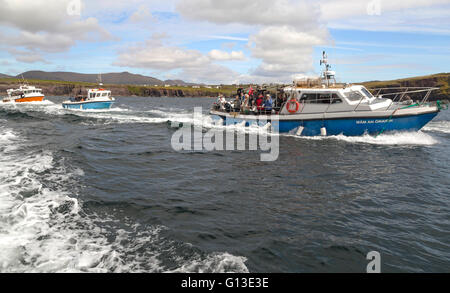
(227, 41)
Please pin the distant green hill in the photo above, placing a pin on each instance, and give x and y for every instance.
(109, 78)
(440, 80)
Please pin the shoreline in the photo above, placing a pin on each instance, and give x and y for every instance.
(61, 88)
(66, 88)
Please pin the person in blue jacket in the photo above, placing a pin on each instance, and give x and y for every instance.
(268, 105)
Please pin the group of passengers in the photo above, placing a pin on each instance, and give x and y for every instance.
(255, 102)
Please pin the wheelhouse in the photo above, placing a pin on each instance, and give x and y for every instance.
(99, 93)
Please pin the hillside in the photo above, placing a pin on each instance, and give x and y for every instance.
(4, 76)
(66, 88)
(440, 80)
(110, 78)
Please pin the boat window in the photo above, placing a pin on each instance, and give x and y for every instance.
(355, 96)
(336, 99)
(104, 94)
(309, 98)
(326, 98)
(98, 95)
(367, 93)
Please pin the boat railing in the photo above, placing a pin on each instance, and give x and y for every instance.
(398, 94)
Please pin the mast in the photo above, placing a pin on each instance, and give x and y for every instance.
(23, 80)
(99, 80)
(327, 73)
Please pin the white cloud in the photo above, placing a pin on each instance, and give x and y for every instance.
(39, 26)
(142, 14)
(288, 31)
(193, 65)
(229, 38)
(252, 12)
(155, 55)
(226, 56)
(423, 16)
(285, 51)
(27, 57)
(342, 9)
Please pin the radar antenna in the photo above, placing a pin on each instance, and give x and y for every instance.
(327, 74)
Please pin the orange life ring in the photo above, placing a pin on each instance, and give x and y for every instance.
(297, 106)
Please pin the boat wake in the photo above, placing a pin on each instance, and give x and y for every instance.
(44, 227)
(27, 104)
(438, 126)
(394, 139)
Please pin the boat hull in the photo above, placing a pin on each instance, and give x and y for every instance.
(346, 126)
(89, 105)
(27, 99)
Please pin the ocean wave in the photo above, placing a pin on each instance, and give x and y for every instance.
(217, 263)
(44, 228)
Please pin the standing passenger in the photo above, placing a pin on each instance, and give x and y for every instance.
(268, 105)
(260, 103)
(237, 104)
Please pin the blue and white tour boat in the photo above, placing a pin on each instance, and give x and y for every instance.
(320, 106)
(96, 99)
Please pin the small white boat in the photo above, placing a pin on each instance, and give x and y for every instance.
(24, 94)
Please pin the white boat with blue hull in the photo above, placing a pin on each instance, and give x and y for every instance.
(96, 99)
(316, 107)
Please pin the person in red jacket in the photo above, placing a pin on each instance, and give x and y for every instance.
(260, 103)
(251, 91)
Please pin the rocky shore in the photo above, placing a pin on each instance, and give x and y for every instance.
(70, 89)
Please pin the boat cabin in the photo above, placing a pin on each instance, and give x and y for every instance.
(98, 93)
(25, 90)
(321, 100)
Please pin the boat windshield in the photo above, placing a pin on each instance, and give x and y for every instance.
(367, 93)
(354, 96)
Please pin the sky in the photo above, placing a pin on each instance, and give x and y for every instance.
(232, 41)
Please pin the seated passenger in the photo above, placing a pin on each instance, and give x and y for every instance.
(221, 102)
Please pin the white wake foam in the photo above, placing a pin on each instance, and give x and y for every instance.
(43, 228)
(218, 263)
(438, 126)
(392, 138)
(27, 104)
